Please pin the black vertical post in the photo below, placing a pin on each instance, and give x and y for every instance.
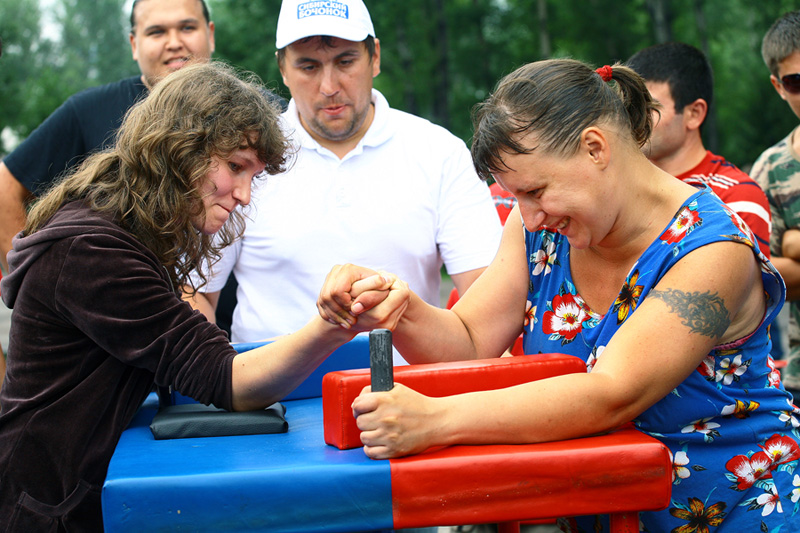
(380, 360)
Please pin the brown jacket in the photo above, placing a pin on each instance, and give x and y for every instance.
(95, 324)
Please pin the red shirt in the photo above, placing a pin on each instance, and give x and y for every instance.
(737, 190)
(504, 201)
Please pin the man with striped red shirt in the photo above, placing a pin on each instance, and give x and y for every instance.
(679, 76)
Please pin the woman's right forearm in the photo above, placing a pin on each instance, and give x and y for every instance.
(428, 334)
(13, 197)
(789, 270)
(266, 374)
(206, 303)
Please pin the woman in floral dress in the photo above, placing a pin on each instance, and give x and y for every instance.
(657, 285)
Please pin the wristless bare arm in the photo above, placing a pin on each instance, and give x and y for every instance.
(264, 375)
(205, 302)
(13, 199)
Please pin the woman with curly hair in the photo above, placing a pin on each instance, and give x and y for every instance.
(94, 279)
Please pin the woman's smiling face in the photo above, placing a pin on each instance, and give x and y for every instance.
(558, 193)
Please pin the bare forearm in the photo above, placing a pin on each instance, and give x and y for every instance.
(427, 334)
(790, 244)
(463, 280)
(482, 324)
(790, 272)
(578, 398)
(13, 198)
(403, 422)
(205, 303)
(263, 376)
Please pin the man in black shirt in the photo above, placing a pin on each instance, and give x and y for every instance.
(165, 35)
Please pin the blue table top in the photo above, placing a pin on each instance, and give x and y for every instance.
(289, 482)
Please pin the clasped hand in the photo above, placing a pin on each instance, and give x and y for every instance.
(362, 299)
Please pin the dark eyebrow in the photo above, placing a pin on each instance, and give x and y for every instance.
(180, 23)
(352, 52)
(349, 52)
(300, 60)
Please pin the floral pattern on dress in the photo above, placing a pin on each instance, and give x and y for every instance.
(745, 470)
(790, 417)
(686, 221)
(767, 502)
(774, 374)
(545, 257)
(704, 426)
(530, 316)
(740, 409)
(680, 466)
(745, 235)
(706, 367)
(628, 298)
(755, 469)
(564, 317)
(731, 429)
(596, 352)
(699, 516)
(783, 451)
(730, 369)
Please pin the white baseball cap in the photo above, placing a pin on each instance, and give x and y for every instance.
(345, 19)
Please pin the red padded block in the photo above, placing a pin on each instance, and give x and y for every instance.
(623, 471)
(516, 348)
(340, 388)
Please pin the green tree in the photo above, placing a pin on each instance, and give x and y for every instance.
(410, 54)
(95, 42)
(23, 59)
(245, 37)
(86, 47)
(439, 57)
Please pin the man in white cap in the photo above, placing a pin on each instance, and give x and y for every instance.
(368, 184)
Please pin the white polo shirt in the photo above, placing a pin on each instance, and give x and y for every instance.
(404, 200)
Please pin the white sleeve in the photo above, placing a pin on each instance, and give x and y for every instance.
(217, 273)
(469, 228)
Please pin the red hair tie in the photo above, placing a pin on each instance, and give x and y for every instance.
(605, 73)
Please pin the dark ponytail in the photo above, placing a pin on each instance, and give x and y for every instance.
(636, 100)
(555, 100)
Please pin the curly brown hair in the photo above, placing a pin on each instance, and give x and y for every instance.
(150, 181)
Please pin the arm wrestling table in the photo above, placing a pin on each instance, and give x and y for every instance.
(295, 482)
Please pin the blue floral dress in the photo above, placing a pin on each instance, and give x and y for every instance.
(731, 428)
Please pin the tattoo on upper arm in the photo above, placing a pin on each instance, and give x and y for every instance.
(704, 313)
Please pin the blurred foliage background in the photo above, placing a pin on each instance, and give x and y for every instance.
(439, 57)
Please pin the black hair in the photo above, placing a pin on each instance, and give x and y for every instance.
(326, 41)
(203, 5)
(682, 66)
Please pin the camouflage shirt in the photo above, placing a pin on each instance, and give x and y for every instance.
(777, 171)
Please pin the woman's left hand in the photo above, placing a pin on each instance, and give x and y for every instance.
(362, 299)
(395, 423)
(337, 295)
